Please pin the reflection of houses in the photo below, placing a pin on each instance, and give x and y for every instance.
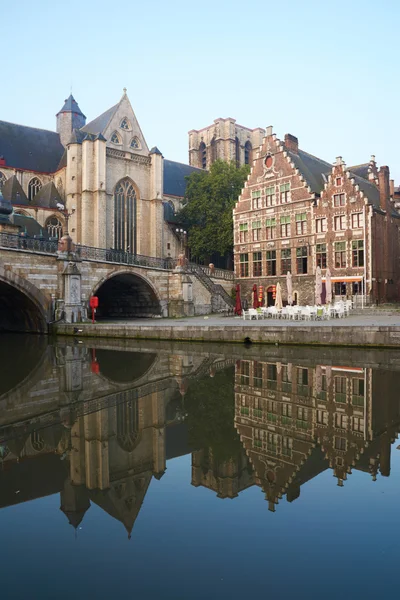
(295, 421)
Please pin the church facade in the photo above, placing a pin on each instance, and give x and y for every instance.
(101, 176)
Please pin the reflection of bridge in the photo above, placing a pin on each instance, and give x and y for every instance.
(97, 425)
(39, 284)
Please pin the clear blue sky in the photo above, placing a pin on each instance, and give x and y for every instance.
(327, 72)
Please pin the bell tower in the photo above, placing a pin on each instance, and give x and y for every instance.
(70, 117)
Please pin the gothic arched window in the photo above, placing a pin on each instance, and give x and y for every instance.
(125, 124)
(135, 144)
(127, 425)
(33, 187)
(3, 179)
(54, 227)
(115, 139)
(247, 153)
(203, 155)
(237, 151)
(125, 216)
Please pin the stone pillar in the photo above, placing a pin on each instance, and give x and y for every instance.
(180, 294)
(70, 306)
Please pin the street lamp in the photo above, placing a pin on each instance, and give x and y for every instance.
(181, 233)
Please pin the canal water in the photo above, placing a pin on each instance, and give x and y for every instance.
(155, 470)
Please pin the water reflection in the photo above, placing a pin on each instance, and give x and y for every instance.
(97, 424)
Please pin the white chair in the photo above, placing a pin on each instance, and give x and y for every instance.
(285, 312)
(313, 312)
(305, 313)
(253, 313)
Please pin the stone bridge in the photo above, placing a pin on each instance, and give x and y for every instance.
(39, 284)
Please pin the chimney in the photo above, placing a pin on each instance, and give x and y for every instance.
(292, 143)
(384, 187)
(391, 183)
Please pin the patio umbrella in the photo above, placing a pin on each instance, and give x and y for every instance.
(278, 297)
(318, 286)
(328, 286)
(289, 288)
(255, 296)
(238, 305)
(260, 295)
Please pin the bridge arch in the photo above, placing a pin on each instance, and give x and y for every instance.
(23, 307)
(125, 294)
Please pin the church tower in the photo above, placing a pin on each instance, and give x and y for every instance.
(70, 117)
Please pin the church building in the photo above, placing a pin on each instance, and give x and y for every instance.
(101, 176)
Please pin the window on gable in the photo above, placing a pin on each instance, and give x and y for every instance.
(270, 196)
(34, 186)
(339, 200)
(125, 124)
(243, 233)
(357, 220)
(115, 139)
(256, 231)
(135, 144)
(320, 225)
(256, 199)
(285, 192)
(3, 179)
(340, 222)
(338, 181)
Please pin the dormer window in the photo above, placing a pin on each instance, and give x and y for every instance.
(125, 124)
(135, 144)
(115, 139)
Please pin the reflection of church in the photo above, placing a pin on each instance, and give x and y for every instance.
(97, 426)
(296, 420)
(120, 194)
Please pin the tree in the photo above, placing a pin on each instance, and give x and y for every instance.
(207, 212)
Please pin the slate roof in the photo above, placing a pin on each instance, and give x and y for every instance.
(47, 197)
(13, 192)
(29, 226)
(99, 124)
(30, 148)
(370, 189)
(361, 170)
(174, 177)
(312, 168)
(71, 105)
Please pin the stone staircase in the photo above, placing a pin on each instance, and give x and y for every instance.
(221, 301)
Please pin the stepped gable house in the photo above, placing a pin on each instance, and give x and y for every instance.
(119, 193)
(297, 212)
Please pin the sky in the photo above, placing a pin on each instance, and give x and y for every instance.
(326, 72)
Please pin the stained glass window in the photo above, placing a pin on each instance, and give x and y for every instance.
(125, 124)
(135, 144)
(34, 186)
(125, 216)
(115, 138)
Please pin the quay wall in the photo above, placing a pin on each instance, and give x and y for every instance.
(337, 335)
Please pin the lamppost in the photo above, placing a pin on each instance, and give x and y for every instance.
(181, 233)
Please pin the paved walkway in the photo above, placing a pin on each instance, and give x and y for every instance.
(218, 321)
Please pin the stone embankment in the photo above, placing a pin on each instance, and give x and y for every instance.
(357, 331)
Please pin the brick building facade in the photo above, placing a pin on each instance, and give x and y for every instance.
(297, 212)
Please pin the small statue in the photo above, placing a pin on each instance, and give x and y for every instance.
(212, 268)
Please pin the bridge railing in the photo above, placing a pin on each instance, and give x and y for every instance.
(19, 242)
